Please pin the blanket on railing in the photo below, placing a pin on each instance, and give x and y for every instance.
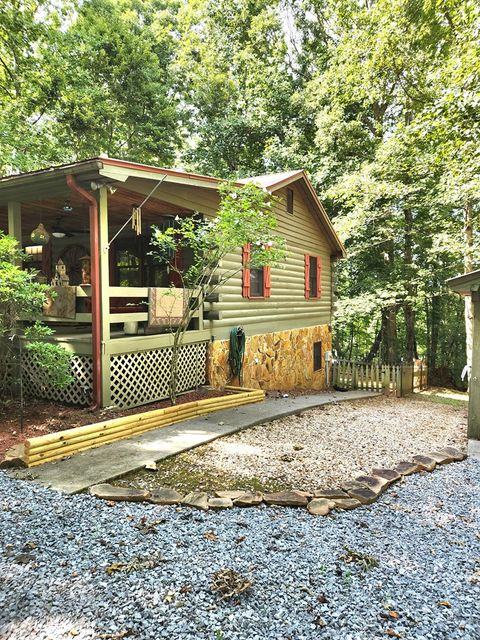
(165, 306)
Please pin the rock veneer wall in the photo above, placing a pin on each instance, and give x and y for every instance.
(281, 360)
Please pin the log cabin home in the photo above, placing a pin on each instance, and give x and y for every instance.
(71, 219)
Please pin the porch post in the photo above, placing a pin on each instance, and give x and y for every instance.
(15, 221)
(474, 396)
(104, 296)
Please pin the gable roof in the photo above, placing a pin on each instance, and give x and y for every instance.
(119, 170)
(274, 181)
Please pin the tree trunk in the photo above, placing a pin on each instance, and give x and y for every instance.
(408, 309)
(391, 334)
(467, 267)
(435, 317)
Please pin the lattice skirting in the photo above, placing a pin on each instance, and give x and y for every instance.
(79, 392)
(143, 376)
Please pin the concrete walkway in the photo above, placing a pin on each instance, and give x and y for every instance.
(110, 461)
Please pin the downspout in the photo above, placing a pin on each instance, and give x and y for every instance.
(95, 271)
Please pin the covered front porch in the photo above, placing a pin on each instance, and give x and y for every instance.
(105, 275)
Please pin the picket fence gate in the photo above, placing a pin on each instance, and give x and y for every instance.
(391, 379)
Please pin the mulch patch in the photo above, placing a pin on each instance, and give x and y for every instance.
(42, 417)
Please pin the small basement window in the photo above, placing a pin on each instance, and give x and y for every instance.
(289, 200)
(317, 356)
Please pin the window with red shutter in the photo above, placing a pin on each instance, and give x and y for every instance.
(246, 271)
(319, 277)
(307, 276)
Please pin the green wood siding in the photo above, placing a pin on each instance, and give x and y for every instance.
(287, 307)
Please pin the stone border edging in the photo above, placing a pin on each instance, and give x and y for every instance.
(42, 449)
(365, 489)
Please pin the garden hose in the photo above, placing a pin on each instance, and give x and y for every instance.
(237, 351)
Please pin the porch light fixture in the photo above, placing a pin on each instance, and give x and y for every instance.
(58, 234)
(40, 235)
(67, 208)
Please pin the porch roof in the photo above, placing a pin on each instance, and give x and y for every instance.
(41, 184)
(465, 284)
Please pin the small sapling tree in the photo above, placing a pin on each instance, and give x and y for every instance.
(244, 217)
(22, 297)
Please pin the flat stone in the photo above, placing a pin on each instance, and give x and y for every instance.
(363, 495)
(352, 484)
(196, 499)
(233, 495)
(125, 494)
(440, 457)
(405, 468)
(220, 503)
(375, 484)
(319, 507)
(249, 499)
(165, 496)
(390, 475)
(347, 503)
(454, 453)
(331, 494)
(425, 463)
(286, 499)
(14, 458)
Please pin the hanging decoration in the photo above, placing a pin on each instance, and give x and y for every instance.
(137, 220)
(40, 235)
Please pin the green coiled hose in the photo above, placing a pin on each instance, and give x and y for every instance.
(237, 351)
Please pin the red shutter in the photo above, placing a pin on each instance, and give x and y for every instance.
(267, 282)
(246, 271)
(319, 277)
(307, 276)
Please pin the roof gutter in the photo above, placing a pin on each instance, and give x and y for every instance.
(95, 270)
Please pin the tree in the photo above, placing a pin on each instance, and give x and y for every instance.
(21, 296)
(243, 217)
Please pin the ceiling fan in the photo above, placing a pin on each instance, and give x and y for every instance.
(59, 231)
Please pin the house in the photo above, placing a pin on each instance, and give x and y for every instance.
(469, 285)
(74, 222)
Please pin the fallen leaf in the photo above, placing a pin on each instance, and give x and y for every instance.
(74, 632)
(240, 539)
(394, 614)
(392, 633)
(186, 588)
(319, 622)
(444, 603)
(210, 535)
(169, 597)
(322, 598)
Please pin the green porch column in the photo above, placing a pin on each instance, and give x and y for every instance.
(15, 221)
(474, 400)
(104, 296)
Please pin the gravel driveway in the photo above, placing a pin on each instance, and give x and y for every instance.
(320, 448)
(424, 534)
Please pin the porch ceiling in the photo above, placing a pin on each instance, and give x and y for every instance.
(120, 204)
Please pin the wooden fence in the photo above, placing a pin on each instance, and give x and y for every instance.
(398, 380)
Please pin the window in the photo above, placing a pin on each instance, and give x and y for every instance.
(317, 356)
(289, 200)
(255, 282)
(257, 279)
(313, 276)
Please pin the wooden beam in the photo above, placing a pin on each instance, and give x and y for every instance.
(474, 392)
(15, 221)
(104, 296)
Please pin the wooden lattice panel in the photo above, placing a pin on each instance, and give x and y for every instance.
(79, 392)
(143, 376)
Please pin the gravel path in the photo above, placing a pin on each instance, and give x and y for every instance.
(324, 447)
(423, 533)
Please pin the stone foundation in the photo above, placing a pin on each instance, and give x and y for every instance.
(281, 360)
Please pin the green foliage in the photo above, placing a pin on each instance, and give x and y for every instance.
(21, 296)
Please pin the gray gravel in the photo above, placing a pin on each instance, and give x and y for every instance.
(424, 534)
